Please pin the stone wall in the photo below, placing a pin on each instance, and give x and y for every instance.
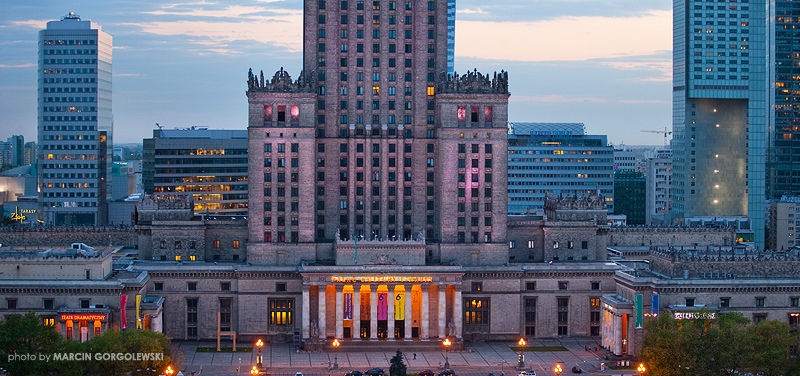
(91, 236)
(724, 266)
(647, 236)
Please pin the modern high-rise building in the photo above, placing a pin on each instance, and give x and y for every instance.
(375, 140)
(784, 166)
(658, 172)
(630, 194)
(210, 164)
(720, 110)
(17, 149)
(74, 121)
(556, 159)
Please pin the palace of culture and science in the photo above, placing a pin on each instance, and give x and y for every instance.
(377, 211)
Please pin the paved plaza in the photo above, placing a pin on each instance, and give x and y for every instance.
(479, 359)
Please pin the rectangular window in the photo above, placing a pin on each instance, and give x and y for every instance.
(191, 286)
(594, 316)
(760, 302)
(476, 314)
(281, 314)
(562, 308)
(724, 302)
(530, 317)
(191, 318)
(477, 286)
(225, 314)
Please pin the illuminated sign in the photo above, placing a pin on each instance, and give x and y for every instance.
(390, 279)
(83, 316)
(695, 315)
(20, 216)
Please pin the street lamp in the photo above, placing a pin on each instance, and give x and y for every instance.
(558, 369)
(254, 371)
(259, 359)
(641, 369)
(446, 344)
(521, 358)
(335, 355)
(169, 371)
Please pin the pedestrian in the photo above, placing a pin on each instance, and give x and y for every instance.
(415, 356)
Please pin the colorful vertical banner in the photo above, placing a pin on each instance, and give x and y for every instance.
(400, 306)
(348, 306)
(654, 304)
(383, 307)
(123, 301)
(138, 319)
(365, 308)
(638, 302)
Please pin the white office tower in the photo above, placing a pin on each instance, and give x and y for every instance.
(74, 121)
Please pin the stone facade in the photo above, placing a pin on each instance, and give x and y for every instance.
(93, 236)
(666, 236)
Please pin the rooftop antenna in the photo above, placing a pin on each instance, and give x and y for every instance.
(159, 126)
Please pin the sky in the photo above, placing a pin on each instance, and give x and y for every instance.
(607, 64)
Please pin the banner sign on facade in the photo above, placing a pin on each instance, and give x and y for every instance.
(383, 308)
(638, 302)
(348, 306)
(138, 320)
(400, 306)
(123, 301)
(654, 304)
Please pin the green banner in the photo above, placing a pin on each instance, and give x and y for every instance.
(639, 310)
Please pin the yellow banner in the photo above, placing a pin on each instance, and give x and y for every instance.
(400, 306)
(138, 319)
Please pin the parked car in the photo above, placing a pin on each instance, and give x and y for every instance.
(375, 372)
(426, 372)
(353, 373)
(527, 373)
(577, 369)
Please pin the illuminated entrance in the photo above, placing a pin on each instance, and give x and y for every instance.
(381, 307)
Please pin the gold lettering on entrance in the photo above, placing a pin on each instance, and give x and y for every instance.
(379, 279)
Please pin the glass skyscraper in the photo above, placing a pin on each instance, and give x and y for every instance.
(784, 167)
(74, 121)
(720, 110)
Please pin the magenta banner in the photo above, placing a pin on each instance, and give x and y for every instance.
(348, 306)
(123, 301)
(383, 307)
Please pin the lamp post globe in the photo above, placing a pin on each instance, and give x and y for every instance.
(335, 355)
(259, 358)
(641, 369)
(557, 369)
(521, 357)
(254, 371)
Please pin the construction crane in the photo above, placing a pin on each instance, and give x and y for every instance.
(665, 132)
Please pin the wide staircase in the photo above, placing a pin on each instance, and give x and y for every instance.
(413, 346)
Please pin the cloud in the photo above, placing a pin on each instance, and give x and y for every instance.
(664, 67)
(127, 74)
(36, 24)
(285, 32)
(566, 38)
(26, 65)
(472, 11)
(556, 98)
(213, 29)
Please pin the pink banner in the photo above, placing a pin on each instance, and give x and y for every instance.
(348, 306)
(123, 301)
(383, 307)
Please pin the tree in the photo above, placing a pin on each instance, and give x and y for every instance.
(771, 343)
(665, 347)
(27, 336)
(396, 366)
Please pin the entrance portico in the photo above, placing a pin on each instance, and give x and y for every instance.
(396, 303)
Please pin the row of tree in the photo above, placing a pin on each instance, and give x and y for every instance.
(28, 347)
(726, 345)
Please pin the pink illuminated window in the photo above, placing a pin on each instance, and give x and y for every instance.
(281, 113)
(295, 114)
(462, 114)
(267, 112)
(487, 114)
(474, 117)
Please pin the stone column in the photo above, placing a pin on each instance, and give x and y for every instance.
(408, 306)
(390, 314)
(373, 313)
(457, 312)
(356, 313)
(321, 316)
(425, 324)
(306, 311)
(618, 335)
(339, 314)
(442, 311)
